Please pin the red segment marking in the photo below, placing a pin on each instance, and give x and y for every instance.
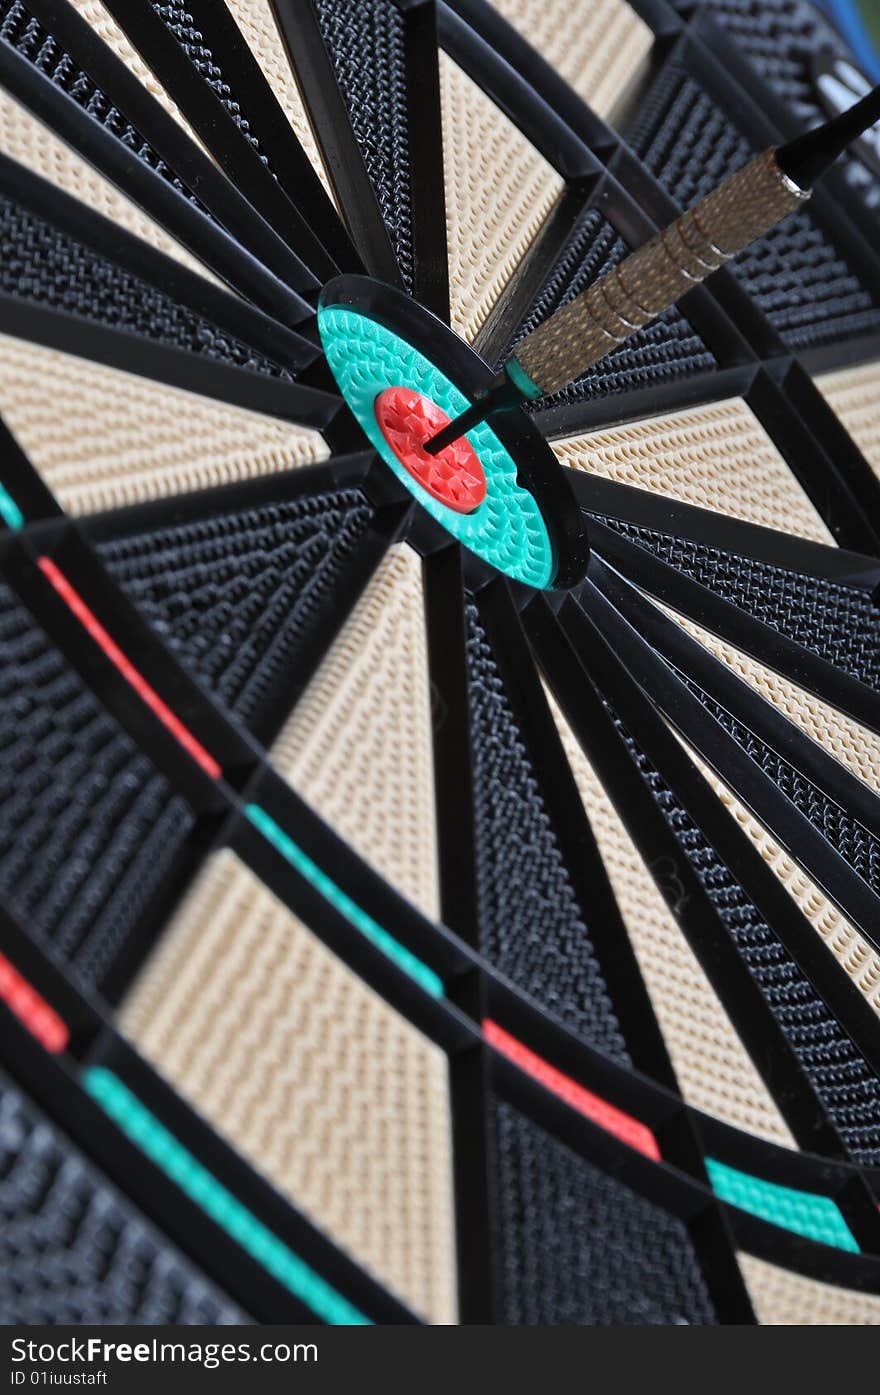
(607, 1116)
(93, 626)
(407, 420)
(32, 1011)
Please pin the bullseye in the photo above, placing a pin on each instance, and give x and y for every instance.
(499, 490)
(407, 419)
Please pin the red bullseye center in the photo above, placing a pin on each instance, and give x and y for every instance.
(407, 420)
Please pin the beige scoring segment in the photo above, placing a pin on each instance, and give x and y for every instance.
(714, 1070)
(28, 141)
(315, 1079)
(113, 35)
(499, 193)
(853, 745)
(854, 393)
(101, 438)
(256, 20)
(716, 456)
(358, 746)
(599, 49)
(782, 1298)
(854, 955)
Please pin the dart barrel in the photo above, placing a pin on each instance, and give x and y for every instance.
(655, 276)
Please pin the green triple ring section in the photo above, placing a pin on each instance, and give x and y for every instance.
(507, 530)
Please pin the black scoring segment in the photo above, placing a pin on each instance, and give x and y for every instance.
(90, 832)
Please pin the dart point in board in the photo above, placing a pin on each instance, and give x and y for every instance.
(404, 373)
(631, 295)
(418, 391)
(407, 419)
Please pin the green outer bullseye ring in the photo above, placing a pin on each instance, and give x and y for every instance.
(507, 529)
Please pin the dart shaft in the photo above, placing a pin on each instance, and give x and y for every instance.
(646, 283)
(656, 275)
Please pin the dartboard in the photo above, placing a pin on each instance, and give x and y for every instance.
(443, 892)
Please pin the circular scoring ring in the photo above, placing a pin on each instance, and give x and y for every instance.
(507, 529)
(408, 420)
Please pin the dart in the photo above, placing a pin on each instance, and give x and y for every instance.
(437, 889)
(628, 297)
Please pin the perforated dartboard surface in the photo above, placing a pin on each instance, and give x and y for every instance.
(432, 893)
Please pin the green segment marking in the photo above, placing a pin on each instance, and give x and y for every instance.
(507, 529)
(202, 1187)
(340, 901)
(521, 379)
(9, 511)
(804, 1213)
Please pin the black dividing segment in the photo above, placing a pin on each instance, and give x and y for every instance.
(366, 45)
(855, 844)
(22, 32)
(237, 595)
(663, 352)
(841, 1078)
(579, 1247)
(838, 622)
(195, 45)
(88, 829)
(531, 926)
(73, 1250)
(46, 266)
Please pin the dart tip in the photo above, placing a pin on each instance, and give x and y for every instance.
(503, 394)
(448, 435)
